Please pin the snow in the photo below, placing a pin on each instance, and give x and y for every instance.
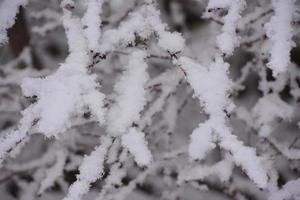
(95, 101)
(169, 80)
(76, 42)
(135, 142)
(90, 170)
(273, 108)
(213, 4)
(92, 21)
(228, 39)
(58, 94)
(285, 149)
(65, 92)
(124, 95)
(289, 191)
(172, 42)
(140, 22)
(69, 89)
(222, 169)
(201, 142)
(280, 32)
(143, 22)
(245, 157)
(131, 92)
(10, 139)
(8, 11)
(53, 172)
(211, 86)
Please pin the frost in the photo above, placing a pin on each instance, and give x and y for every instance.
(273, 108)
(219, 4)
(280, 32)
(221, 169)
(53, 172)
(10, 139)
(143, 22)
(289, 191)
(138, 110)
(58, 94)
(169, 80)
(245, 157)
(68, 90)
(172, 42)
(135, 142)
(201, 142)
(131, 95)
(228, 39)
(90, 170)
(92, 21)
(211, 85)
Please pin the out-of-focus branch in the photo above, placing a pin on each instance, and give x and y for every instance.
(19, 38)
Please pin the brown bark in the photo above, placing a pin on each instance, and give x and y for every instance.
(19, 38)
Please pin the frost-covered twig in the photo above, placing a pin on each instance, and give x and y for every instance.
(143, 22)
(215, 101)
(289, 191)
(228, 39)
(221, 169)
(131, 95)
(92, 22)
(90, 170)
(280, 32)
(54, 172)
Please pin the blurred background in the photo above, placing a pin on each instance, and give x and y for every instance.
(37, 45)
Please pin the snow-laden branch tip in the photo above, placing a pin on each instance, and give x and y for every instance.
(92, 22)
(280, 32)
(202, 142)
(69, 89)
(211, 86)
(131, 93)
(136, 143)
(228, 39)
(142, 22)
(91, 169)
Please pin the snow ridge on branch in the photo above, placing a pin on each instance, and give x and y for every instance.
(280, 32)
